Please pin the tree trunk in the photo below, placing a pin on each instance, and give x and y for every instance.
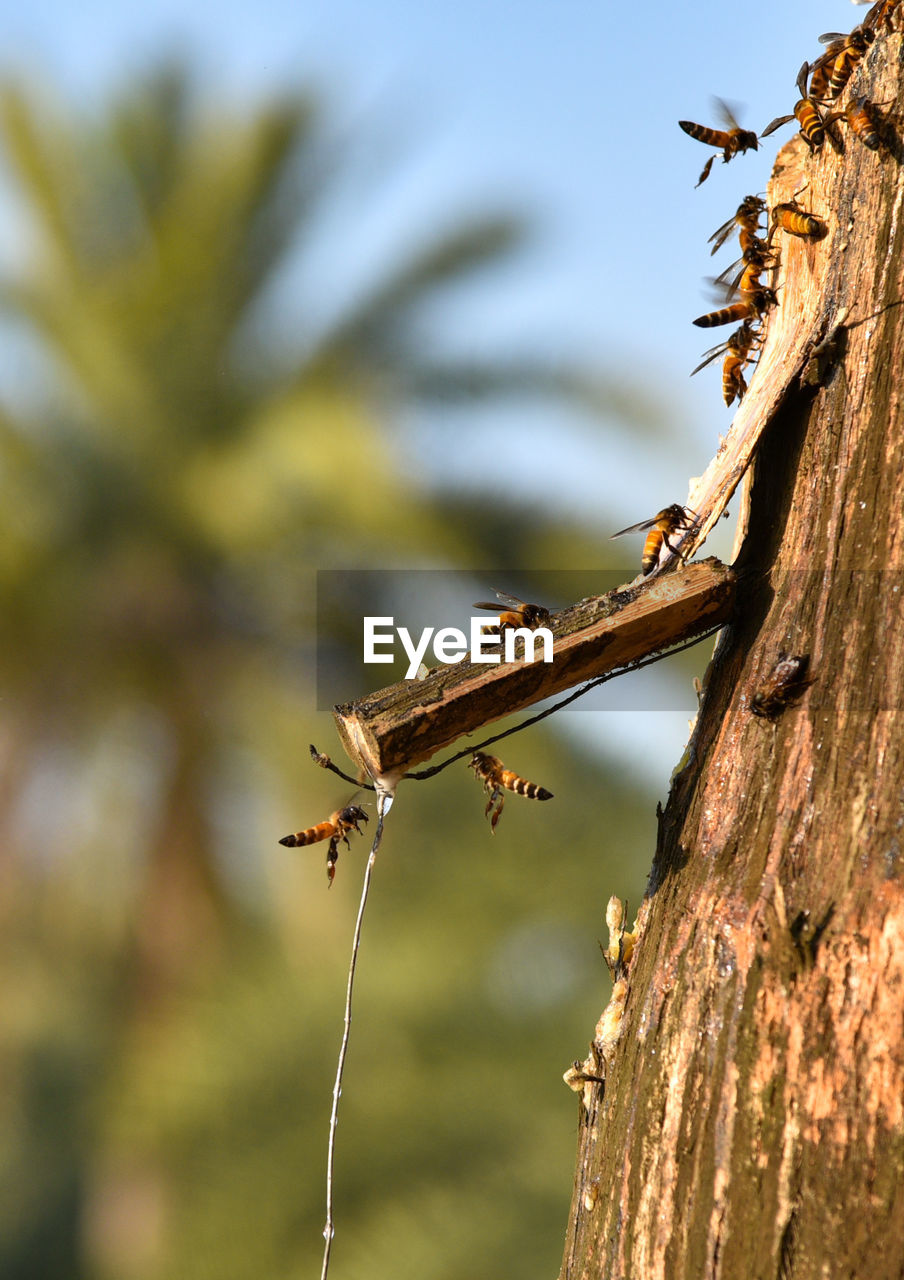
(751, 1123)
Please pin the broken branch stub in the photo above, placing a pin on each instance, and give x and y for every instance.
(388, 731)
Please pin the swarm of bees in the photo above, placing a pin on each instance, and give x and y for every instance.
(820, 84)
(750, 297)
(495, 777)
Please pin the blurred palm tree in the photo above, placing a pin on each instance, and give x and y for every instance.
(174, 466)
(175, 459)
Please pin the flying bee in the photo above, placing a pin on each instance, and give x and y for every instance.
(665, 524)
(494, 776)
(753, 305)
(805, 112)
(336, 828)
(787, 681)
(737, 353)
(831, 72)
(746, 217)
(733, 141)
(859, 114)
(790, 217)
(518, 614)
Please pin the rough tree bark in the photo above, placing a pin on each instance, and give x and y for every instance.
(751, 1123)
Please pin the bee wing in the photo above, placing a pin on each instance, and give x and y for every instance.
(724, 291)
(723, 278)
(503, 597)
(709, 357)
(830, 37)
(726, 113)
(801, 80)
(718, 238)
(775, 124)
(637, 528)
(830, 54)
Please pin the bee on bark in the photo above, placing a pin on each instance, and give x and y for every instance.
(518, 614)
(831, 72)
(736, 351)
(664, 525)
(786, 682)
(336, 828)
(861, 121)
(805, 112)
(882, 15)
(755, 259)
(494, 776)
(824, 353)
(732, 140)
(751, 306)
(791, 218)
(746, 218)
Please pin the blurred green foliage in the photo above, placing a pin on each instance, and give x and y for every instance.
(175, 468)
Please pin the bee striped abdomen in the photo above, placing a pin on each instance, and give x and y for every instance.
(733, 383)
(725, 315)
(651, 548)
(311, 835)
(524, 788)
(810, 122)
(798, 223)
(861, 122)
(712, 137)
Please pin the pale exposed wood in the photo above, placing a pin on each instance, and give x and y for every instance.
(752, 1120)
(391, 730)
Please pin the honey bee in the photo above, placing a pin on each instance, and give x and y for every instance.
(494, 776)
(831, 72)
(666, 523)
(733, 140)
(336, 828)
(861, 121)
(882, 15)
(787, 682)
(752, 306)
(747, 218)
(736, 351)
(518, 614)
(806, 112)
(790, 217)
(756, 258)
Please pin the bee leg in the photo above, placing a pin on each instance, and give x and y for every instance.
(706, 168)
(332, 855)
(497, 813)
(492, 792)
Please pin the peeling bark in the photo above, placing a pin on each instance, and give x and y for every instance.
(752, 1119)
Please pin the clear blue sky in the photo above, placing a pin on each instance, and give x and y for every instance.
(567, 108)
